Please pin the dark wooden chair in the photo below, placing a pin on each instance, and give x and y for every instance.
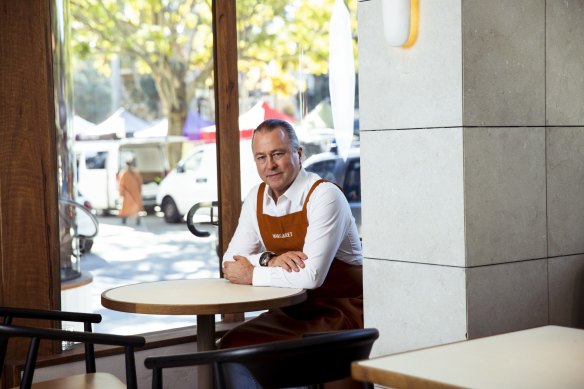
(8, 314)
(91, 379)
(312, 360)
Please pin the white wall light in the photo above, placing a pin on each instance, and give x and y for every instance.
(396, 21)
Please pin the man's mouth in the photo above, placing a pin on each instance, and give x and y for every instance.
(272, 175)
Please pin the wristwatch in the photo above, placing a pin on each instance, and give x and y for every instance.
(265, 257)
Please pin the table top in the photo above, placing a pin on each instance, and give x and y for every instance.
(544, 357)
(204, 296)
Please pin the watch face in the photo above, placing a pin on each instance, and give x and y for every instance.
(265, 258)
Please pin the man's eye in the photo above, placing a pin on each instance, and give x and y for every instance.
(277, 155)
(260, 158)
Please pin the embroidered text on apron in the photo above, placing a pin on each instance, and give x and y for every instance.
(336, 305)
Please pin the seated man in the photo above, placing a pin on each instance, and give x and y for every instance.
(295, 230)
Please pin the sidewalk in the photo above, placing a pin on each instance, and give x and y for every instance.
(153, 251)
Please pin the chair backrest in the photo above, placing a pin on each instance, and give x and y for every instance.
(37, 334)
(311, 360)
(8, 314)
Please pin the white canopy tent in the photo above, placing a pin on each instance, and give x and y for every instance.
(160, 128)
(120, 124)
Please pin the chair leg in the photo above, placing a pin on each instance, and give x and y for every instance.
(157, 378)
(89, 351)
(131, 378)
(219, 376)
(29, 367)
(4, 344)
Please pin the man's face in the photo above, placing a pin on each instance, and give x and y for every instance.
(277, 162)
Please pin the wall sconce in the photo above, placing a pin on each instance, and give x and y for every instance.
(398, 18)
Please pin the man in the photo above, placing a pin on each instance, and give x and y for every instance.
(130, 187)
(295, 230)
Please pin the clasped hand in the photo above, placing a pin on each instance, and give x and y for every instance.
(240, 270)
(289, 261)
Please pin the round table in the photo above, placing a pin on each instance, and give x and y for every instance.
(203, 297)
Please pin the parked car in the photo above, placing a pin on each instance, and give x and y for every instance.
(346, 174)
(194, 180)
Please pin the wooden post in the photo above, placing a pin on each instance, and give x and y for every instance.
(227, 123)
(227, 118)
(29, 226)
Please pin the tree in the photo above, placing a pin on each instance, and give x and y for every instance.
(172, 40)
(88, 87)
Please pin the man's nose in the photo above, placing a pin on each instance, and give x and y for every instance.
(271, 162)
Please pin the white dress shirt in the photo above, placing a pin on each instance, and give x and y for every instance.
(331, 233)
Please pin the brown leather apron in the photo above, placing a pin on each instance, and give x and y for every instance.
(336, 305)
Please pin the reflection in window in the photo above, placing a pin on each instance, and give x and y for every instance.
(352, 184)
(193, 163)
(96, 160)
(283, 72)
(325, 169)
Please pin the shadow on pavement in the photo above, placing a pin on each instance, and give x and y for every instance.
(152, 251)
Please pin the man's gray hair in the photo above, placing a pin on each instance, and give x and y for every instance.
(273, 124)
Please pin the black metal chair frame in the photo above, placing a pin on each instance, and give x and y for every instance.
(43, 314)
(36, 334)
(87, 337)
(311, 360)
(193, 211)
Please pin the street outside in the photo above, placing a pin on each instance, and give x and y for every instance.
(151, 251)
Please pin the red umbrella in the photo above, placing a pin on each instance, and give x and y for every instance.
(249, 121)
(271, 113)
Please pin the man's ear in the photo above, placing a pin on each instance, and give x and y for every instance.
(300, 153)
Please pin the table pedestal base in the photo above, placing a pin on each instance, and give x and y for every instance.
(205, 341)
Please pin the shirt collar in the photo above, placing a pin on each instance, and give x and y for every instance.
(295, 193)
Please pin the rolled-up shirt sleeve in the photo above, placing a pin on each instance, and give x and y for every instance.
(246, 240)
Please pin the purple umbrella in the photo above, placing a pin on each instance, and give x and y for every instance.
(193, 125)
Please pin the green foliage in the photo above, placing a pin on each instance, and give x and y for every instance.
(283, 38)
(164, 38)
(88, 87)
(276, 37)
(172, 42)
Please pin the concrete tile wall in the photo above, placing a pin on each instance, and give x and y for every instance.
(414, 305)
(565, 159)
(506, 297)
(468, 198)
(415, 210)
(564, 62)
(505, 195)
(504, 62)
(565, 190)
(411, 88)
(566, 291)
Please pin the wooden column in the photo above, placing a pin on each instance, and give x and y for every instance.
(226, 118)
(227, 125)
(29, 239)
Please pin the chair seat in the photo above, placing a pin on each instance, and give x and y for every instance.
(80, 381)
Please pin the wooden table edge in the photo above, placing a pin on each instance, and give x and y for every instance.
(203, 309)
(392, 379)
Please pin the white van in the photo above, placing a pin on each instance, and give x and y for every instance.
(99, 162)
(195, 180)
